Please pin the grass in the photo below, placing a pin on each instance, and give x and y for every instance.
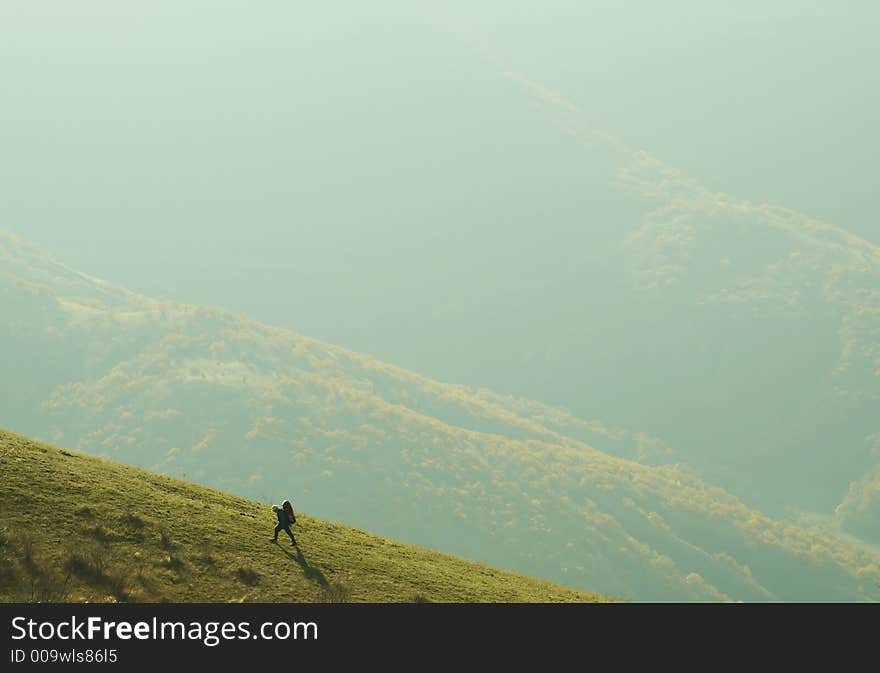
(78, 528)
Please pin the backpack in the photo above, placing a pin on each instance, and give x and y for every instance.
(291, 517)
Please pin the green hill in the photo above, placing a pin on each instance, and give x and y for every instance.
(79, 528)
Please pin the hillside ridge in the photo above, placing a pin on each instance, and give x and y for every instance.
(111, 532)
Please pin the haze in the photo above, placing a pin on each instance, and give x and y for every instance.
(323, 167)
(642, 234)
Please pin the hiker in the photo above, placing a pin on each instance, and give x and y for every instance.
(286, 519)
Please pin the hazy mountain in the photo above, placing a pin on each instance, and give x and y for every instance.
(264, 412)
(435, 187)
(659, 215)
(747, 335)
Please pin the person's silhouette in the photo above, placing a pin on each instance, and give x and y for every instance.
(286, 519)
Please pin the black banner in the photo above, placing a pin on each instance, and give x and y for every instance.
(421, 635)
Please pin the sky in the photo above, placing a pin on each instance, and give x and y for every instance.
(327, 168)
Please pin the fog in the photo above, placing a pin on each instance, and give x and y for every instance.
(659, 216)
(297, 163)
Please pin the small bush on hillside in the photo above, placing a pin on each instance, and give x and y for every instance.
(8, 571)
(28, 549)
(135, 526)
(102, 535)
(120, 586)
(165, 540)
(248, 576)
(133, 521)
(99, 555)
(173, 562)
(90, 565)
(205, 556)
(337, 592)
(48, 588)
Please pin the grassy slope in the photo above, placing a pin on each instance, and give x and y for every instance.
(78, 528)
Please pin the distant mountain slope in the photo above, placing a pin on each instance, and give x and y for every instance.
(119, 533)
(265, 413)
(509, 243)
(747, 335)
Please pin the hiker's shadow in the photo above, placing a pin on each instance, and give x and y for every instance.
(311, 572)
